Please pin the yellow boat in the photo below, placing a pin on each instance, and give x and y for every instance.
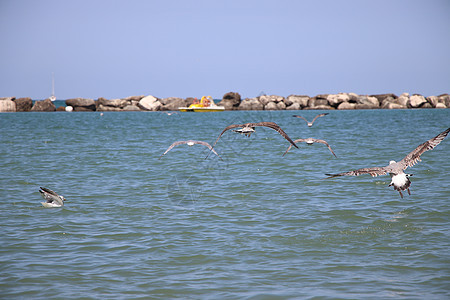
(205, 104)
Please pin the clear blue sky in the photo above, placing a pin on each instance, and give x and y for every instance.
(182, 48)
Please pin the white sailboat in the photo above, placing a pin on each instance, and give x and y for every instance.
(52, 97)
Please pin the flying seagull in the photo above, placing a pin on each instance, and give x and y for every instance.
(51, 198)
(248, 128)
(311, 123)
(310, 141)
(190, 143)
(399, 179)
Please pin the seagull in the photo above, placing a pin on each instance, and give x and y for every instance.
(169, 113)
(311, 123)
(52, 199)
(399, 180)
(310, 141)
(190, 143)
(248, 128)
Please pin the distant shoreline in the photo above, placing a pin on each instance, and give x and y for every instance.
(233, 101)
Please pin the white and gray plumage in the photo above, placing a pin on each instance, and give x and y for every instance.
(310, 124)
(399, 180)
(190, 143)
(248, 128)
(51, 198)
(310, 141)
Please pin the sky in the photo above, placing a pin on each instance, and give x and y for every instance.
(190, 48)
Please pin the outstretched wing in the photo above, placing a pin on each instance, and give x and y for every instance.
(227, 128)
(49, 191)
(319, 115)
(208, 146)
(297, 116)
(414, 156)
(325, 143)
(290, 146)
(275, 127)
(375, 171)
(173, 145)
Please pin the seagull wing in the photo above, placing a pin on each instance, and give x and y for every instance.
(325, 143)
(414, 156)
(297, 116)
(275, 127)
(290, 146)
(228, 128)
(375, 171)
(49, 191)
(208, 146)
(173, 145)
(319, 115)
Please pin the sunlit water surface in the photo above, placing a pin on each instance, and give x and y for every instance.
(255, 225)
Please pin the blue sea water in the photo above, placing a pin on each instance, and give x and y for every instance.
(254, 225)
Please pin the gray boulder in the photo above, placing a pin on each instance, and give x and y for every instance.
(44, 105)
(251, 104)
(81, 104)
(172, 103)
(294, 106)
(23, 104)
(7, 105)
(416, 101)
(149, 103)
(302, 100)
(346, 105)
(271, 106)
(265, 99)
(230, 101)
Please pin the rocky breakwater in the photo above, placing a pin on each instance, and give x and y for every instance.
(341, 101)
(233, 101)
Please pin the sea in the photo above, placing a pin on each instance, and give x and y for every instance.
(250, 224)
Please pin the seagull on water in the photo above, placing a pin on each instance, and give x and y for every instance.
(399, 180)
(190, 143)
(310, 124)
(310, 141)
(248, 128)
(51, 198)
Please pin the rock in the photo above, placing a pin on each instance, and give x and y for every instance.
(346, 105)
(316, 102)
(302, 100)
(433, 100)
(444, 98)
(320, 107)
(150, 103)
(7, 105)
(353, 97)
(251, 104)
(402, 100)
(271, 106)
(230, 101)
(131, 108)
(116, 104)
(386, 101)
(172, 103)
(265, 99)
(23, 104)
(61, 108)
(336, 99)
(382, 97)
(81, 104)
(294, 106)
(440, 105)
(134, 98)
(426, 105)
(391, 105)
(367, 102)
(281, 105)
(416, 101)
(44, 105)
